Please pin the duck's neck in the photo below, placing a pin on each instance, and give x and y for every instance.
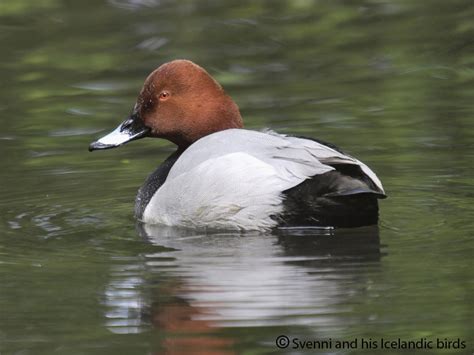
(217, 115)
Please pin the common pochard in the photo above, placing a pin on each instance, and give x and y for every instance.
(222, 176)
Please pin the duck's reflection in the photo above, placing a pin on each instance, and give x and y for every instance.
(294, 277)
(332, 245)
(123, 299)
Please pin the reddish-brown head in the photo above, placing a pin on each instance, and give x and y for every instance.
(179, 101)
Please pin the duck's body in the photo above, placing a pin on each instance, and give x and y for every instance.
(232, 178)
(242, 179)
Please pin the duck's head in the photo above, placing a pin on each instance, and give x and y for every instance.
(180, 102)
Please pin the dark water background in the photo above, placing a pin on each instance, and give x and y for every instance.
(391, 82)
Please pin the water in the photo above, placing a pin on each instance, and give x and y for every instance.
(391, 82)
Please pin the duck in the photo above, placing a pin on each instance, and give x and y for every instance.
(223, 176)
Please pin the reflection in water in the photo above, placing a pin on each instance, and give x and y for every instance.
(123, 299)
(207, 282)
(333, 245)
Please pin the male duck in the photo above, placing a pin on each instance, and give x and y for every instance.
(225, 177)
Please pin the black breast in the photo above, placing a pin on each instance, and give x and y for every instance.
(153, 183)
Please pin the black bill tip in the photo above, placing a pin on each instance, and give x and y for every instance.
(100, 146)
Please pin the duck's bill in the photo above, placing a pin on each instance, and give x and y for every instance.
(131, 129)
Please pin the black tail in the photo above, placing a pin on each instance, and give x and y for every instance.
(331, 199)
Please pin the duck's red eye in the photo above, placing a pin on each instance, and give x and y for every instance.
(164, 95)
